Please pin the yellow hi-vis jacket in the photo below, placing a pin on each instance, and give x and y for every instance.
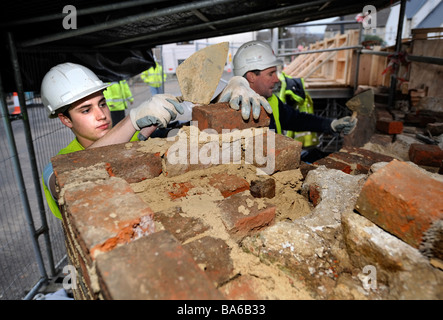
(118, 95)
(293, 93)
(153, 76)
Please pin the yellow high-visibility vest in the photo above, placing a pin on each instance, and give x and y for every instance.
(296, 95)
(153, 76)
(118, 95)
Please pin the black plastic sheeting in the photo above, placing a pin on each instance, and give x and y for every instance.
(107, 65)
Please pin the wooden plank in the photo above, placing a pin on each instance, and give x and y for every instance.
(424, 74)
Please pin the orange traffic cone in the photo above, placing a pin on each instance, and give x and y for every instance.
(16, 104)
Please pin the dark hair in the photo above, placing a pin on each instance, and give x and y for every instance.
(66, 112)
(256, 72)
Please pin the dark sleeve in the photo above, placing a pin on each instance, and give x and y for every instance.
(294, 120)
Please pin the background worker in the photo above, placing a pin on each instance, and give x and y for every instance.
(118, 95)
(255, 67)
(154, 78)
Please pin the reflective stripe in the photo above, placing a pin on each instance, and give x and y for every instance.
(273, 101)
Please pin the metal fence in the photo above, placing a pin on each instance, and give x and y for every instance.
(24, 263)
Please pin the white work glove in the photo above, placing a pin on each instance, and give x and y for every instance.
(158, 110)
(239, 92)
(345, 125)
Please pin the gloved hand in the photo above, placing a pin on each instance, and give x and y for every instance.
(345, 125)
(238, 92)
(158, 110)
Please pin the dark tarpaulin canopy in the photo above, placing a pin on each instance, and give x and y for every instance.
(115, 38)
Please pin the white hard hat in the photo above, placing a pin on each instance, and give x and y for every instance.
(66, 83)
(254, 55)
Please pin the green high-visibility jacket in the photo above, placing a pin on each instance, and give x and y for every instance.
(118, 95)
(153, 76)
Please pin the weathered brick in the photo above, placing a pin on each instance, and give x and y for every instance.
(283, 155)
(263, 188)
(402, 200)
(213, 257)
(426, 154)
(221, 116)
(156, 267)
(330, 163)
(243, 214)
(120, 160)
(100, 221)
(389, 127)
(228, 184)
(180, 226)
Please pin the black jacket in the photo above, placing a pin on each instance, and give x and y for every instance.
(294, 120)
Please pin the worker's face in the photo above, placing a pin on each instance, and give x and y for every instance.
(90, 118)
(265, 82)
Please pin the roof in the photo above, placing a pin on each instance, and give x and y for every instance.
(433, 19)
(115, 37)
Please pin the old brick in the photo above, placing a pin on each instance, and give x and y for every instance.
(221, 116)
(263, 188)
(156, 267)
(283, 155)
(330, 163)
(402, 200)
(228, 184)
(389, 127)
(242, 214)
(101, 221)
(120, 160)
(180, 226)
(426, 154)
(314, 195)
(213, 257)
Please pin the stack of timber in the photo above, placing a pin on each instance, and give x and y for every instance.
(329, 68)
(334, 69)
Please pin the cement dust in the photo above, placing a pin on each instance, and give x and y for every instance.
(200, 200)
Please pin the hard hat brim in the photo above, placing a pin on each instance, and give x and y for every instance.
(67, 104)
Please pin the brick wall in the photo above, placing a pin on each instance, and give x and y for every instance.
(121, 248)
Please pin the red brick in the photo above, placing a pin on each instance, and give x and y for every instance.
(221, 116)
(402, 200)
(106, 213)
(314, 195)
(330, 163)
(284, 155)
(180, 226)
(120, 160)
(228, 184)
(426, 154)
(389, 127)
(213, 256)
(242, 215)
(156, 267)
